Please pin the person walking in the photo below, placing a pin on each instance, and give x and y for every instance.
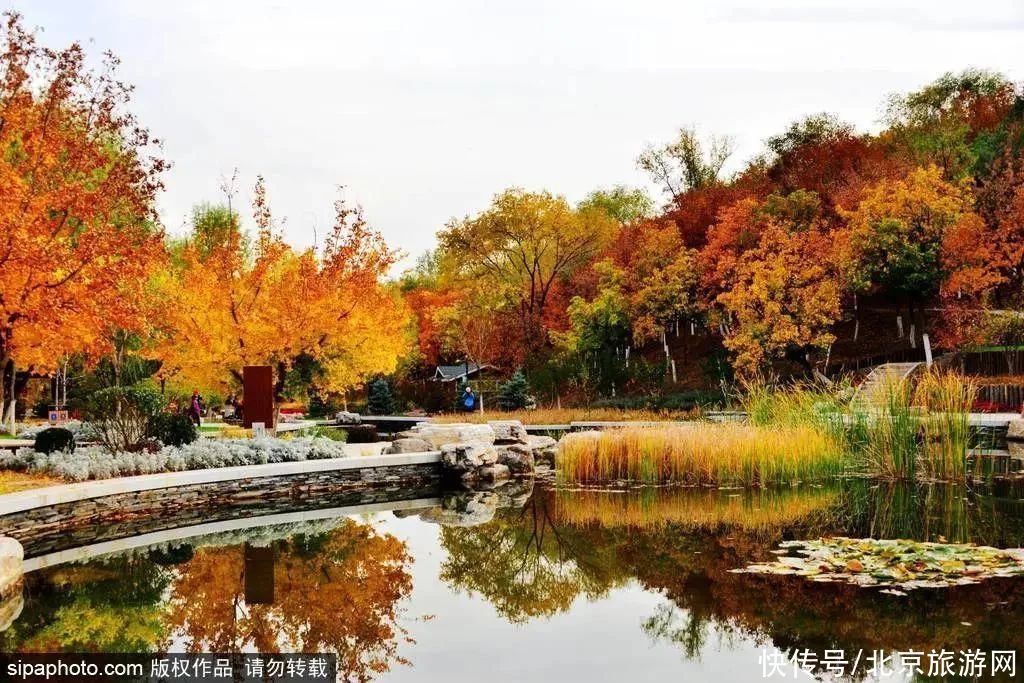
(195, 408)
(468, 400)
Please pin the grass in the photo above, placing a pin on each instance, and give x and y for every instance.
(702, 453)
(754, 511)
(947, 399)
(921, 432)
(12, 482)
(545, 416)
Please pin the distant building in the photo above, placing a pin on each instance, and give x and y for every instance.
(460, 372)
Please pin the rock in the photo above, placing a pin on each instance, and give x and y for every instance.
(508, 431)
(10, 608)
(463, 509)
(409, 445)
(519, 458)
(457, 432)
(344, 417)
(1015, 431)
(465, 457)
(11, 557)
(495, 472)
(544, 450)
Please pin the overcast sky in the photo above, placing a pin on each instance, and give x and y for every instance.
(424, 109)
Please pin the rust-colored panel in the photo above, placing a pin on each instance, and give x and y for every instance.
(258, 395)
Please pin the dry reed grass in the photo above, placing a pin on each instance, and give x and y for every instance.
(702, 453)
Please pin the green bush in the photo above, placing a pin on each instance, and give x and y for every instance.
(122, 415)
(55, 439)
(379, 400)
(514, 394)
(172, 429)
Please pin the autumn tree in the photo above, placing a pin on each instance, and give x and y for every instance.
(898, 232)
(784, 292)
(954, 122)
(78, 175)
(518, 249)
(241, 301)
(687, 162)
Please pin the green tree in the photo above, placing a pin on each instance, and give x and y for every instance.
(514, 394)
(379, 400)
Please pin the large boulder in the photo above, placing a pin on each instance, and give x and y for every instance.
(1015, 430)
(508, 431)
(462, 458)
(440, 434)
(495, 472)
(519, 458)
(409, 445)
(12, 556)
(344, 417)
(544, 450)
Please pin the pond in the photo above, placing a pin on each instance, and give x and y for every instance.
(543, 584)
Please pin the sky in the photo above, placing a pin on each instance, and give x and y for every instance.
(423, 111)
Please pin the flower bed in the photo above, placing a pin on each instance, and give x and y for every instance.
(95, 462)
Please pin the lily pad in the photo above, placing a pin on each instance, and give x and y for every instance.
(891, 563)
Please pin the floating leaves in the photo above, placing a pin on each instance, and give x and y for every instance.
(891, 563)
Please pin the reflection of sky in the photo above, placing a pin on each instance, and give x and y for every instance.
(595, 641)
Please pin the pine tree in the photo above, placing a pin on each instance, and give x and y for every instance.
(514, 394)
(379, 400)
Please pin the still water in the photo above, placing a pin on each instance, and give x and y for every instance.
(532, 583)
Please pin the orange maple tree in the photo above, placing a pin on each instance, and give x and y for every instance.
(78, 229)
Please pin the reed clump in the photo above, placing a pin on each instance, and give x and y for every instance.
(702, 453)
(919, 432)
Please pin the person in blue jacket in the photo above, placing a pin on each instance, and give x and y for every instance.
(468, 400)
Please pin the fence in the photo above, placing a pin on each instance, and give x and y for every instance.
(1002, 398)
(993, 363)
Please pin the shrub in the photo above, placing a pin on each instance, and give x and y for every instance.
(96, 462)
(121, 415)
(379, 400)
(361, 434)
(172, 429)
(514, 394)
(55, 439)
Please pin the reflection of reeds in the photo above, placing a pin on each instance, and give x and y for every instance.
(760, 510)
(722, 454)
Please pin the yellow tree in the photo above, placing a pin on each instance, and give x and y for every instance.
(518, 250)
(262, 303)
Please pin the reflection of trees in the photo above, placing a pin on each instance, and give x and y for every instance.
(114, 606)
(336, 593)
(535, 561)
(526, 565)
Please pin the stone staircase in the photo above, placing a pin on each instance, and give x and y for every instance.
(872, 390)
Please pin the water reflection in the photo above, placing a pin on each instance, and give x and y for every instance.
(534, 555)
(338, 591)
